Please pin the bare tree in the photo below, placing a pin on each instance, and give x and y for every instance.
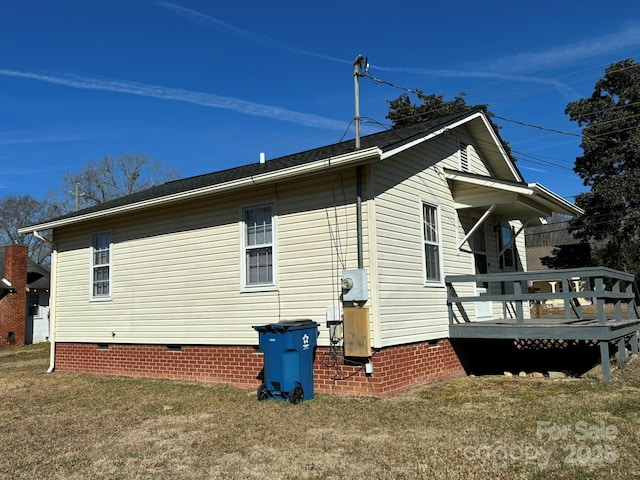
(108, 178)
(97, 182)
(18, 211)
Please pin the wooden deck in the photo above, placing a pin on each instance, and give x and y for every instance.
(616, 320)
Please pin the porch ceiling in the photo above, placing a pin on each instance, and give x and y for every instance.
(512, 200)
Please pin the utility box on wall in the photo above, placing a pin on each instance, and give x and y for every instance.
(354, 285)
(357, 341)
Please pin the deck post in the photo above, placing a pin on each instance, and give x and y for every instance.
(634, 343)
(605, 361)
(517, 289)
(622, 353)
(602, 315)
(567, 300)
(450, 295)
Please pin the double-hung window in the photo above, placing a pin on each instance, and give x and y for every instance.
(101, 267)
(432, 243)
(258, 247)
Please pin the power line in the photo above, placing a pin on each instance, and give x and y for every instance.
(538, 127)
(544, 163)
(525, 124)
(526, 157)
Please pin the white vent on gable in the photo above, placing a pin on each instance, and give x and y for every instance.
(464, 158)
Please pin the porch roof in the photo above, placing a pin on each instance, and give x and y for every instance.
(508, 200)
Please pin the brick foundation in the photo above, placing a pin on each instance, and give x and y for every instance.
(13, 307)
(395, 368)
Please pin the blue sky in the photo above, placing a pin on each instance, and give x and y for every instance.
(204, 85)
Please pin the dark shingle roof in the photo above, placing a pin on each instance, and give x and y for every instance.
(387, 140)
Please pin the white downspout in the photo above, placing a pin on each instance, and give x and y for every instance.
(52, 302)
(52, 312)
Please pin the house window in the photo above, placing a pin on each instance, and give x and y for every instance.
(258, 246)
(101, 266)
(431, 241)
(464, 157)
(507, 258)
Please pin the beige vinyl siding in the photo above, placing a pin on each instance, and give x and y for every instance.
(476, 162)
(311, 233)
(176, 271)
(409, 311)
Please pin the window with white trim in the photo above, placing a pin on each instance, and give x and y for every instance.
(432, 243)
(101, 266)
(258, 247)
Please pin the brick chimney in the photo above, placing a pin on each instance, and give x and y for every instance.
(13, 307)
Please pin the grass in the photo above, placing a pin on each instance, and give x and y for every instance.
(63, 426)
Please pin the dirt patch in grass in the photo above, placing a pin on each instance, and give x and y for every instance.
(76, 427)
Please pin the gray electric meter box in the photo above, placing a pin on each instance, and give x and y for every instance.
(354, 285)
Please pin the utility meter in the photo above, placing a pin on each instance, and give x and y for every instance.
(354, 285)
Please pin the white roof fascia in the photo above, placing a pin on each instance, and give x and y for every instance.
(453, 125)
(503, 152)
(429, 136)
(554, 197)
(490, 182)
(358, 156)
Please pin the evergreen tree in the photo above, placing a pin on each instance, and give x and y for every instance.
(610, 167)
(403, 112)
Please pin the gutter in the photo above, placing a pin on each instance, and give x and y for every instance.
(339, 161)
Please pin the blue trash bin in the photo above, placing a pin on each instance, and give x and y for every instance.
(288, 360)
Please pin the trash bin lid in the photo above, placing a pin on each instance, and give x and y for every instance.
(285, 325)
(296, 323)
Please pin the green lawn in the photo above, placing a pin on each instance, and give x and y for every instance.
(63, 426)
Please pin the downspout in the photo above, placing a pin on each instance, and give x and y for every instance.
(52, 301)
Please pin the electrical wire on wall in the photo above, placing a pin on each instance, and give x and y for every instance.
(334, 359)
